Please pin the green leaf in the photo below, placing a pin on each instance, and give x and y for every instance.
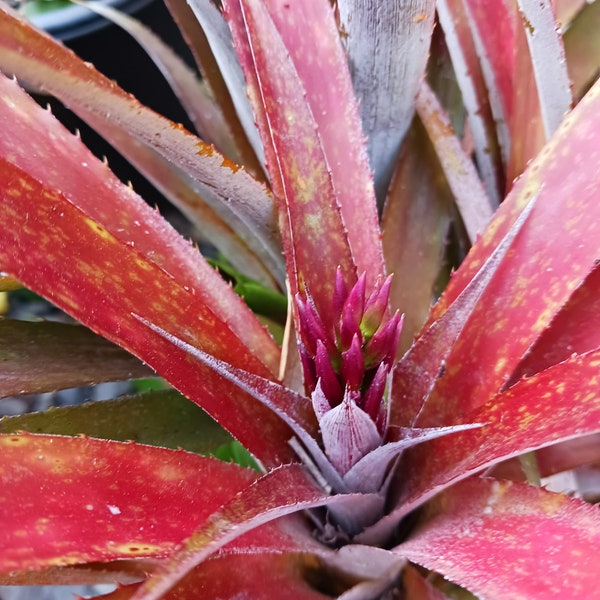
(44, 357)
(158, 418)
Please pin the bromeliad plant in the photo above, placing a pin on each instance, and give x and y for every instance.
(395, 453)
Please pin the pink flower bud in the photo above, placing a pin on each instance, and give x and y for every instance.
(327, 375)
(372, 398)
(348, 434)
(353, 365)
(376, 308)
(352, 313)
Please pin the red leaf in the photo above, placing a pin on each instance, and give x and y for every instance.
(255, 576)
(280, 492)
(216, 194)
(506, 540)
(74, 500)
(31, 139)
(574, 330)
(327, 205)
(109, 280)
(558, 404)
(538, 275)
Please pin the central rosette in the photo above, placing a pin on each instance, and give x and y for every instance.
(347, 367)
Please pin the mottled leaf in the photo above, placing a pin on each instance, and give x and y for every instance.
(45, 357)
(575, 329)
(538, 276)
(89, 185)
(161, 418)
(102, 500)
(558, 404)
(109, 281)
(326, 200)
(387, 44)
(481, 533)
(190, 173)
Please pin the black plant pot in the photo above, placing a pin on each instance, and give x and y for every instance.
(68, 21)
(118, 56)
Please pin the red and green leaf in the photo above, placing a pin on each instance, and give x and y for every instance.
(45, 357)
(162, 418)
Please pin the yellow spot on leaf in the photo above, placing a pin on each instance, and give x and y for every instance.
(14, 441)
(98, 229)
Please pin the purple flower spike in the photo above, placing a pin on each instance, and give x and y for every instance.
(311, 326)
(353, 365)
(308, 367)
(357, 357)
